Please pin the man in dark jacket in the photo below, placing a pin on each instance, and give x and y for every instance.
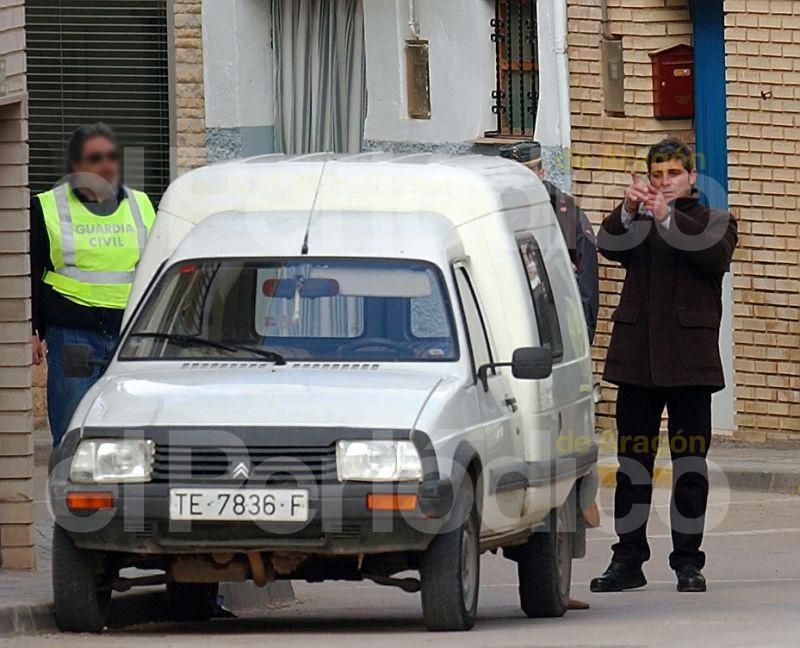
(664, 352)
(575, 227)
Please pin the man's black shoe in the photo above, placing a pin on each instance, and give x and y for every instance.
(619, 577)
(690, 579)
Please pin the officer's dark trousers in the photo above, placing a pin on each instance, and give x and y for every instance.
(639, 411)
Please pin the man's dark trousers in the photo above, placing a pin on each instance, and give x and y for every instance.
(639, 411)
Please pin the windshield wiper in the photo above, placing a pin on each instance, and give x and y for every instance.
(189, 340)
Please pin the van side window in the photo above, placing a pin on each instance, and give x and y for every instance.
(476, 328)
(544, 304)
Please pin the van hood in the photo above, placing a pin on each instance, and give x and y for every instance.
(261, 396)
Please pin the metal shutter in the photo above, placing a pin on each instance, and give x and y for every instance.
(98, 60)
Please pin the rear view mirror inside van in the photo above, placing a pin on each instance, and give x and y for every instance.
(305, 288)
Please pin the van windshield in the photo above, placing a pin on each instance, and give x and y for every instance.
(296, 310)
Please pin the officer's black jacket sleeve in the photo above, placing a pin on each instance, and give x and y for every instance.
(40, 261)
(588, 271)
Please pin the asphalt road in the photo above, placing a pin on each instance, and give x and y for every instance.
(753, 547)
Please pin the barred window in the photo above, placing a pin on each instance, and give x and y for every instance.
(516, 95)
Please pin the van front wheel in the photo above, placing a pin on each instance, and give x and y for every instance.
(544, 566)
(81, 604)
(450, 572)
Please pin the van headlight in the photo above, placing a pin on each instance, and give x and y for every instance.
(378, 461)
(112, 461)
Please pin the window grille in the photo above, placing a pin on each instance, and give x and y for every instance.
(516, 95)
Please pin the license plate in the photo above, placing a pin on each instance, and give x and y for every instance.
(235, 504)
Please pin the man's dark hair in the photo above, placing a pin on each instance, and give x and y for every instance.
(671, 149)
(83, 134)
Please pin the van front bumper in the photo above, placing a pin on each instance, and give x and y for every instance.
(340, 522)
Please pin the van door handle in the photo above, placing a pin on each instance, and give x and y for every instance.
(511, 403)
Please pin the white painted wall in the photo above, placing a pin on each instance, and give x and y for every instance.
(239, 69)
(238, 63)
(462, 62)
(553, 122)
(461, 68)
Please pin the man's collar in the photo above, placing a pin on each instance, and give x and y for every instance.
(688, 201)
(85, 199)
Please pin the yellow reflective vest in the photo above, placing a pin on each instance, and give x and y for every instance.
(94, 257)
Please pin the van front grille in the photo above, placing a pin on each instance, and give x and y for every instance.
(255, 465)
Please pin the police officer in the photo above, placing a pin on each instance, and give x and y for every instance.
(582, 246)
(87, 236)
(575, 226)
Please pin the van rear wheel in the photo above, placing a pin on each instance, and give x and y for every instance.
(80, 602)
(450, 571)
(544, 567)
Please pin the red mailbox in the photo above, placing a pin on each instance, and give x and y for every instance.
(673, 82)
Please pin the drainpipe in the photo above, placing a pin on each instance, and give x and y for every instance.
(413, 23)
(562, 75)
(418, 76)
(605, 21)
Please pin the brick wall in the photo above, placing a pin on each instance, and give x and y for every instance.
(606, 149)
(763, 56)
(16, 418)
(189, 94)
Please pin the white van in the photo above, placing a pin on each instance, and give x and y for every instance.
(335, 368)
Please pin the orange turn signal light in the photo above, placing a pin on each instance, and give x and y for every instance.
(391, 502)
(78, 501)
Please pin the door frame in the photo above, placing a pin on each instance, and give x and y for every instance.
(711, 133)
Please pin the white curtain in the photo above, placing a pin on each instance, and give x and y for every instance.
(320, 75)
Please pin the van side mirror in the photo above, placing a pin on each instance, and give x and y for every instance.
(532, 363)
(78, 362)
(527, 363)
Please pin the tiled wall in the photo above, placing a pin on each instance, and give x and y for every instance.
(16, 415)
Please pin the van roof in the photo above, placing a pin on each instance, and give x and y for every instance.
(420, 236)
(461, 188)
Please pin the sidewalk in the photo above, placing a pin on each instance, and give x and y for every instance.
(771, 468)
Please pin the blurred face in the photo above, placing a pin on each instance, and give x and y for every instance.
(672, 179)
(100, 157)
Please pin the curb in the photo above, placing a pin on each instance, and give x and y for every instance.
(146, 606)
(27, 620)
(607, 474)
(763, 482)
(740, 480)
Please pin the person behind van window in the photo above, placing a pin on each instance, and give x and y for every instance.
(582, 247)
(664, 352)
(575, 227)
(87, 236)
